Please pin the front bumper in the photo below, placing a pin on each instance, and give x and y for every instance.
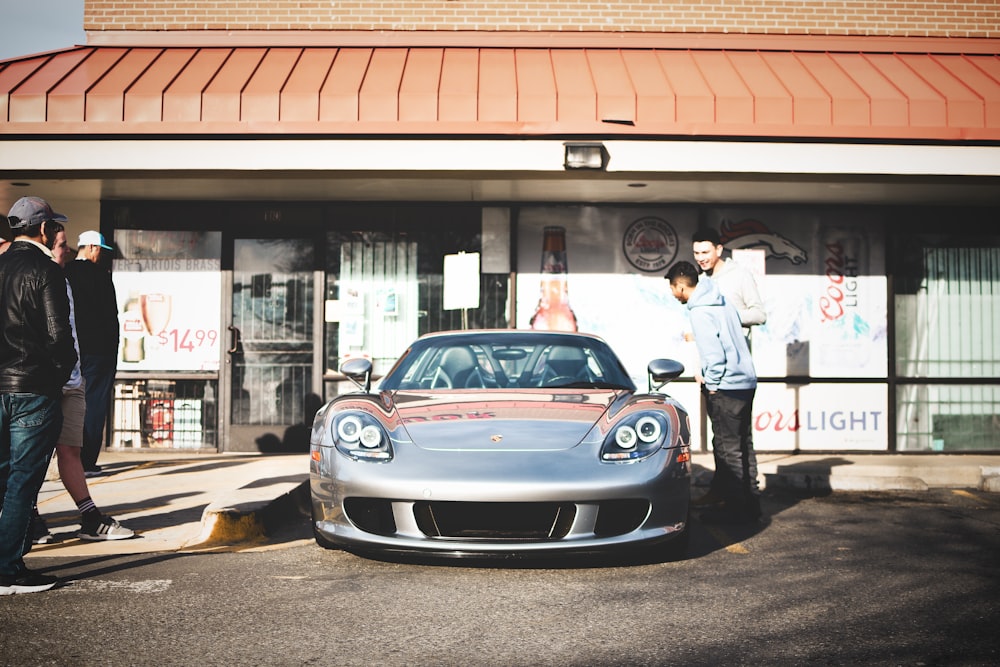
(498, 504)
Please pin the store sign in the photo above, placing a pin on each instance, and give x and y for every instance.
(821, 416)
(169, 321)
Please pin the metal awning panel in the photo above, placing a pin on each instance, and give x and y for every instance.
(516, 91)
(491, 80)
(261, 97)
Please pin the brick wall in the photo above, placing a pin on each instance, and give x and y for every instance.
(904, 18)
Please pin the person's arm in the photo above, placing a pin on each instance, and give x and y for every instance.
(739, 287)
(710, 350)
(109, 318)
(753, 305)
(55, 303)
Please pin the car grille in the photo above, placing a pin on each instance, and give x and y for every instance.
(617, 517)
(497, 521)
(371, 515)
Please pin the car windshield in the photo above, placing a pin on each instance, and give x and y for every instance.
(508, 360)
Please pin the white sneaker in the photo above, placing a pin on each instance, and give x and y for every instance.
(105, 529)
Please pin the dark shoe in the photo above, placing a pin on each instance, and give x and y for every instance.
(707, 499)
(39, 530)
(92, 471)
(28, 581)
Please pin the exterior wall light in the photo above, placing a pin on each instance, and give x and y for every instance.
(586, 155)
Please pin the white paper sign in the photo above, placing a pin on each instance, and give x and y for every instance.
(461, 281)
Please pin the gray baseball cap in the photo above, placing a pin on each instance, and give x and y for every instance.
(31, 211)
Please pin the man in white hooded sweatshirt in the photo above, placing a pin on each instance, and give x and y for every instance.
(728, 382)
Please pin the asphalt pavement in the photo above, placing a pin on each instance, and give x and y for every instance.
(190, 502)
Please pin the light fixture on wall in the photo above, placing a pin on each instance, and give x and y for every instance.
(585, 155)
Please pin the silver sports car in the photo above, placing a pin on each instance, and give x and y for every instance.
(502, 443)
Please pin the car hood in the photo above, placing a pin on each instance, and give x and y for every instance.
(503, 421)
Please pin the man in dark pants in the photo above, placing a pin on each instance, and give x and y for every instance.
(739, 288)
(97, 329)
(36, 359)
(728, 382)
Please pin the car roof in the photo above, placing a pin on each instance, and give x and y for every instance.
(509, 332)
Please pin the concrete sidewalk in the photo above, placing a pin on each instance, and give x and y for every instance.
(180, 502)
(189, 502)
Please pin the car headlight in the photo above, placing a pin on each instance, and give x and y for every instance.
(361, 436)
(635, 438)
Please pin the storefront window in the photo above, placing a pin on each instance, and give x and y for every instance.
(821, 355)
(168, 285)
(384, 286)
(949, 286)
(935, 417)
(947, 308)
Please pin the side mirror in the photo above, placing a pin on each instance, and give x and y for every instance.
(662, 371)
(358, 371)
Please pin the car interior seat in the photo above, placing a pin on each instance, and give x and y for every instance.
(569, 364)
(459, 364)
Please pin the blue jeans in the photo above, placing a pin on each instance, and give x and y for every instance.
(732, 448)
(29, 428)
(99, 372)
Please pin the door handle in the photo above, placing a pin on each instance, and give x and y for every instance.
(236, 339)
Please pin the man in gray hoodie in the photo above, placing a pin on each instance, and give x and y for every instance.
(728, 382)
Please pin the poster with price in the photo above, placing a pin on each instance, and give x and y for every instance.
(169, 321)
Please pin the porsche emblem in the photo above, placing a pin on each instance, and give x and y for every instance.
(496, 438)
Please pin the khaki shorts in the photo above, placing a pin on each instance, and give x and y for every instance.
(74, 407)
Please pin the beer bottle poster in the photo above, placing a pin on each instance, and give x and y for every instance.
(168, 321)
(574, 275)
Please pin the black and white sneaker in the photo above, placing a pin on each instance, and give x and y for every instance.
(39, 530)
(104, 529)
(28, 581)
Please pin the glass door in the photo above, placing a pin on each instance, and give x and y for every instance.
(273, 385)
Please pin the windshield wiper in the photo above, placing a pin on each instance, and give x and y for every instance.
(586, 384)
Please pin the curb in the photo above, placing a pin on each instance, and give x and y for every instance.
(819, 482)
(879, 473)
(991, 479)
(229, 522)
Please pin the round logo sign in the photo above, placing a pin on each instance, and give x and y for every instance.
(650, 244)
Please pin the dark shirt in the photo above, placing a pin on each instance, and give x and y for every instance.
(95, 306)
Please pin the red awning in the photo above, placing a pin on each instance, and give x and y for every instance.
(607, 92)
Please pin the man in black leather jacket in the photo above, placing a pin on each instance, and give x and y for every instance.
(36, 358)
